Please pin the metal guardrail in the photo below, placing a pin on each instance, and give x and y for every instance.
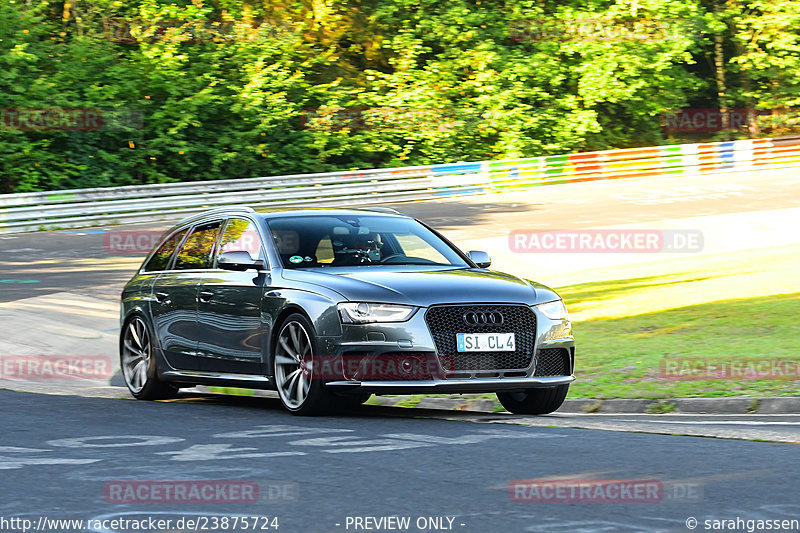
(104, 206)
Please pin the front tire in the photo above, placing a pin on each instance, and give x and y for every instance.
(534, 401)
(138, 363)
(299, 384)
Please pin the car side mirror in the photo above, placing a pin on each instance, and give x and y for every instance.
(480, 258)
(239, 261)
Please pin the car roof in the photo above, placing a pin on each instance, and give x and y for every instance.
(327, 211)
(269, 214)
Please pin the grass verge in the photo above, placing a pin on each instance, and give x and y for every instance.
(623, 357)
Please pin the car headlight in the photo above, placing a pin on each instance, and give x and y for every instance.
(363, 312)
(554, 310)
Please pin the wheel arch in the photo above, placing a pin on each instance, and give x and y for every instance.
(140, 312)
(286, 312)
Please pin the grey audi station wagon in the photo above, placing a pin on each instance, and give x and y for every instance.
(329, 306)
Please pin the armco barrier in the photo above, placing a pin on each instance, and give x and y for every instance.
(102, 206)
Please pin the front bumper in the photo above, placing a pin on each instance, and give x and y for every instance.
(394, 342)
(450, 385)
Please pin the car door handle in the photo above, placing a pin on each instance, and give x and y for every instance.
(205, 296)
(162, 297)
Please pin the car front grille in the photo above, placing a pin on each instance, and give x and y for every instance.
(552, 362)
(445, 321)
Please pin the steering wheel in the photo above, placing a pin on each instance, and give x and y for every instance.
(388, 257)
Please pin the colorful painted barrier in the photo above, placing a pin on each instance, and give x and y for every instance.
(102, 206)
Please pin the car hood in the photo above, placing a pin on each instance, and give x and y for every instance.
(425, 287)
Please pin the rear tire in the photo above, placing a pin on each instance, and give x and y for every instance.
(534, 401)
(138, 363)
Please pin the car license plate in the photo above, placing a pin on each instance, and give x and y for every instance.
(485, 342)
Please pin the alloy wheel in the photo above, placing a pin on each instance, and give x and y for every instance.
(136, 355)
(293, 364)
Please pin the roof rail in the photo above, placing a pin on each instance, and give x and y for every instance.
(244, 209)
(219, 210)
(382, 210)
(233, 208)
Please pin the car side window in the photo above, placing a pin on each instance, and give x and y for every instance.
(160, 260)
(196, 250)
(241, 235)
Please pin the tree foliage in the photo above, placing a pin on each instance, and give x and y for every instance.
(216, 89)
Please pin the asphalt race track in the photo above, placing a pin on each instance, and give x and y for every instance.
(62, 453)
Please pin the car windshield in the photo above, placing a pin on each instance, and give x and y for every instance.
(316, 241)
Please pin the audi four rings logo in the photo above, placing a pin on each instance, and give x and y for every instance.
(473, 318)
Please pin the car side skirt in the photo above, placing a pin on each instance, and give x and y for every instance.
(195, 377)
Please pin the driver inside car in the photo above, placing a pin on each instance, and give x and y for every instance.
(371, 244)
(364, 248)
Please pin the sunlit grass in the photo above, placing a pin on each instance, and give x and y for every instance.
(622, 357)
(723, 308)
(647, 288)
(233, 391)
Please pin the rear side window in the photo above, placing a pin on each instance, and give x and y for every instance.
(196, 250)
(241, 235)
(160, 259)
